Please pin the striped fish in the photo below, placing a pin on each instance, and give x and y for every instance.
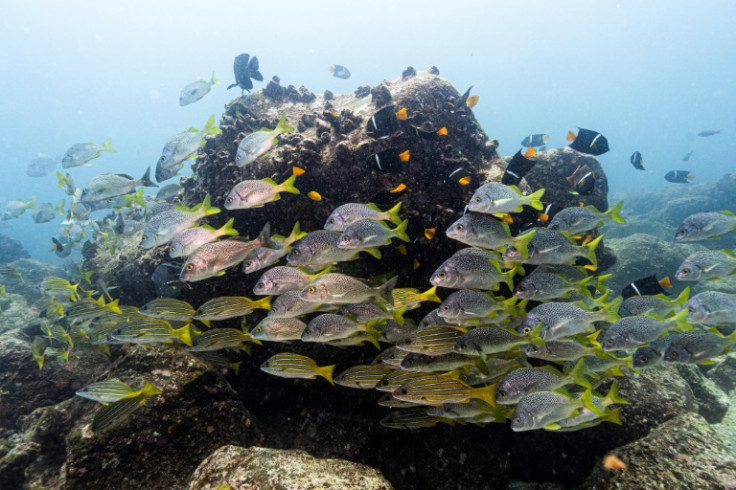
(413, 418)
(474, 408)
(357, 339)
(434, 340)
(226, 307)
(87, 309)
(146, 330)
(389, 401)
(113, 413)
(362, 376)
(391, 357)
(437, 390)
(112, 390)
(58, 287)
(393, 380)
(221, 338)
(409, 298)
(291, 365)
(168, 309)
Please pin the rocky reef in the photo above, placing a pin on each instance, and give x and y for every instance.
(11, 249)
(219, 428)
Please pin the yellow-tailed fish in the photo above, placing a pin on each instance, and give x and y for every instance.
(112, 390)
(221, 338)
(362, 376)
(226, 307)
(437, 390)
(291, 365)
(168, 309)
(433, 340)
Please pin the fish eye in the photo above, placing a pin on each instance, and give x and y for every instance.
(307, 331)
(188, 267)
(344, 238)
(311, 289)
(407, 341)
(295, 252)
(690, 310)
(409, 361)
(274, 309)
(172, 249)
(526, 330)
(249, 263)
(673, 355)
(520, 289)
(229, 200)
(501, 393)
(459, 227)
(517, 420)
(644, 359)
(331, 221)
(477, 199)
(260, 285)
(609, 342)
(445, 308)
(145, 237)
(686, 271)
(266, 364)
(441, 274)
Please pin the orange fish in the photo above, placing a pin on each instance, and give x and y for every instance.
(442, 131)
(314, 196)
(612, 462)
(401, 114)
(464, 181)
(402, 249)
(429, 233)
(399, 188)
(298, 171)
(404, 156)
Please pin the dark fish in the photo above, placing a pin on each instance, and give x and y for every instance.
(385, 122)
(687, 156)
(535, 140)
(587, 141)
(517, 168)
(636, 161)
(388, 161)
(166, 279)
(426, 131)
(465, 102)
(647, 286)
(339, 71)
(709, 132)
(61, 249)
(583, 180)
(679, 176)
(245, 68)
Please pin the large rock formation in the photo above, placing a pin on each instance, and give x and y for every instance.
(11, 249)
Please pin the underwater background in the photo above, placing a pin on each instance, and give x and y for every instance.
(654, 78)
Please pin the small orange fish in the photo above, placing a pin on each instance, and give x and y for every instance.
(464, 181)
(314, 196)
(399, 188)
(402, 249)
(401, 114)
(429, 233)
(404, 156)
(614, 463)
(298, 171)
(442, 131)
(530, 152)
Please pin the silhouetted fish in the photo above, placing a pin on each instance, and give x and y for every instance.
(339, 71)
(245, 68)
(679, 176)
(647, 286)
(636, 161)
(587, 141)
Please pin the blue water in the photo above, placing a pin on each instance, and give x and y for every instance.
(649, 77)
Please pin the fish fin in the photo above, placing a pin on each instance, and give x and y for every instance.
(614, 214)
(326, 372)
(431, 295)
(591, 250)
(587, 400)
(613, 398)
(210, 128)
(372, 251)
(393, 213)
(106, 145)
(183, 334)
(227, 229)
(400, 231)
(288, 185)
(149, 390)
(521, 243)
(535, 199)
(398, 314)
(571, 136)
(577, 375)
(600, 283)
(214, 80)
(386, 289)
(146, 179)
(283, 127)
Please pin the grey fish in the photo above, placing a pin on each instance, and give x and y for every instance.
(521, 382)
(553, 247)
(169, 192)
(163, 226)
(659, 304)
(565, 319)
(485, 231)
(471, 268)
(634, 331)
(212, 259)
(711, 308)
(694, 347)
(431, 318)
(46, 212)
(540, 286)
(186, 242)
(274, 329)
(489, 340)
(334, 288)
(710, 264)
(704, 226)
(497, 199)
(166, 279)
(541, 408)
(561, 350)
(105, 186)
(41, 166)
(319, 249)
(82, 153)
(347, 214)
(369, 233)
(281, 279)
(578, 219)
(181, 147)
(467, 306)
(259, 142)
(290, 305)
(652, 354)
(194, 91)
(17, 207)
(329, 326)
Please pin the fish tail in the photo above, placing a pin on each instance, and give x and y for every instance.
(373, 339)
(535, 199)
(296, 234)
(581, 286)
(481, 366)
(613, 398)
(398, 314)
(227, 229)
(610, 311)
(146, 179)
(214, 80)
(210, 128)
(386, 289)
(600, 283)
(517, 269)
(487, 394)
(521, 243)
(577, 375)
(30, 204)
(206, 208)
(400, 231)
(587, 400)
(393, 214)
(680, 319)
(431, 295)
(282, 127)
(591, 246)
(288, 185)
(149, 390)
(113, 306)
(372, 251)
(614, 416)
(683, 297)
(106, 145)
(183, 334)
(326, 372)
(614, 214)
(60, 207)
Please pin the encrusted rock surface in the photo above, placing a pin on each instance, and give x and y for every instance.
(11, 249)
(257, 468)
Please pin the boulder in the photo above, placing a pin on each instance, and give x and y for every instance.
(258, 468)
(684, 452)
(11, 250)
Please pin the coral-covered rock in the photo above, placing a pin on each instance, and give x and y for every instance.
(258, 468)
(684, 452)
(11, 250)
